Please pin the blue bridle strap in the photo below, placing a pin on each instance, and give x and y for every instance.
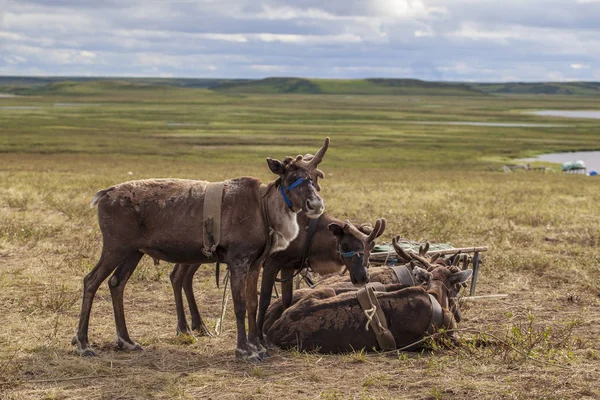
(351, 253)
(294, 185)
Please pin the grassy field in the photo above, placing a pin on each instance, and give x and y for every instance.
(436, 182)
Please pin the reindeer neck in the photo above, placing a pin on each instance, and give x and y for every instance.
(438, 290)
(282, 219)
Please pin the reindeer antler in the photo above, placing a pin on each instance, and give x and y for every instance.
(400, 251)
(375, 233)
(465, 261)
(455, 258)
(311, 162)
(424, 249)
(422, 260)
(319, 156)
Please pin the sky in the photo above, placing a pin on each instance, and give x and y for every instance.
(442, 40)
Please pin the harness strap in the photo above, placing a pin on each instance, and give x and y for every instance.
(437, 315)
(264, 207)
(211, 215)
(296, 183)
(376, 317)
(404, 275)
(377, 286)
(435, 322)
(211, 224)
(304, 267)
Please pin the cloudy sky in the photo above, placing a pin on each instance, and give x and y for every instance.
(452, 40)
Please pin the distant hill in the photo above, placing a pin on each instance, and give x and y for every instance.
(375, 86)
(346, 86)
(40, 85)
(550, 88)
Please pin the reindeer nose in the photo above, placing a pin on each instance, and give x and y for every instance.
(315, 206)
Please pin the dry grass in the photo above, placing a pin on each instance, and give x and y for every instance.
(543, 232)
(50, 240)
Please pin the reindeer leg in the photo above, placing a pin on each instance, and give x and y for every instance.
(287, 287)
(238, 292)
(109, 260)
(266, 290)
(178, 276)
(198, 324)
(117, 284)
(252, 304)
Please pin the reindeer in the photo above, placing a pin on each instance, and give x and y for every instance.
(330, 323)
(334, 245)
(348, 247)
(401, 275)
(163, 219)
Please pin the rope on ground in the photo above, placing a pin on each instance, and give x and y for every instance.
(219, 323)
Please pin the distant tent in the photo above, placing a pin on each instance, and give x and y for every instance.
(572, 166)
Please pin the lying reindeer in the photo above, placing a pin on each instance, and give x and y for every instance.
(163, 218)
(401, 275)
(330, 323)
(349, 246)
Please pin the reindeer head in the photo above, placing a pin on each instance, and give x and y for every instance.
(445, 283)
(298, 181)
(355, 247)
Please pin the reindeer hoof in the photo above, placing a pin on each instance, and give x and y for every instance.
(185, 331)
(247, 355)
(264, 355)
(131, 346)
(88, 353)
(202, 331)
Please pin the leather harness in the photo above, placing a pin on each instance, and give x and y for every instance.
(211, 224)
(372, 309)
(404, 275)
(211, 214)
(304, 265)
(378, 323)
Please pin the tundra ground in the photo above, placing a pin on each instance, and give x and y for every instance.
(431, 182)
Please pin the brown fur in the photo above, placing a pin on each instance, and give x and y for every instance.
(332, 323)
(339, 284)
(323, 257)
(162, 218)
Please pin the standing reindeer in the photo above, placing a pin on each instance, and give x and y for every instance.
(332, 239)
(163, 218)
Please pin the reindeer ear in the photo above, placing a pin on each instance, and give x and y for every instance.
(336, 229)
(460, 277)
(276, 166)
(421, 274)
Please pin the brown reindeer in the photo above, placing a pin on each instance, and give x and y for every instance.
(400, 275)
(324, 257)
(163, 219)
(348, 247)
(330, 323)
(341, 284)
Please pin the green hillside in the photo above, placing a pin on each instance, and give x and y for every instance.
(346, 86)
(550, 88)
(82, 85)
(375, 86)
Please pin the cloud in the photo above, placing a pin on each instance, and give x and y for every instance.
(427, 39)
(580, 66)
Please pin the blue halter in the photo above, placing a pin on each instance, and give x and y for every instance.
(294, 185)
(349, 254)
